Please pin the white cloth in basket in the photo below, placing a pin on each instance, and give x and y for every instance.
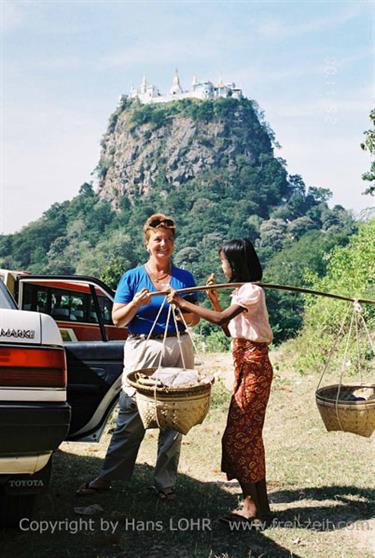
(176, 377)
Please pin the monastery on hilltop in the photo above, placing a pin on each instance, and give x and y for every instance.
(204, 90)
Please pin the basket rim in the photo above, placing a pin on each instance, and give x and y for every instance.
(321, 398)
(168, 396)
(151, 390)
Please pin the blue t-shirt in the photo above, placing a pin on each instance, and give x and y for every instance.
(137, 279)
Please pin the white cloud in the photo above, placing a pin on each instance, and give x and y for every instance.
(12, 15)
(358, 56)
(334, 163)
(324, 106)
(324, 146)
(44, 168)
(260, 75)
(329, 109)
(157, 53)
(60, 63)
(277, 29)
(331, 69)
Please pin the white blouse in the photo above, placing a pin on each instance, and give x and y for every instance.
(252, 324)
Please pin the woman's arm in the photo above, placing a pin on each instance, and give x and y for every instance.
(213, 294)
(122, 314)
(215, 317)
(190, 318)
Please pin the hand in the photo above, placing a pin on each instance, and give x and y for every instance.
(172, 298)
(213, 294)
(142, 297)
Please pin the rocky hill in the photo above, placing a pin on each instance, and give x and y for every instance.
(168, 146)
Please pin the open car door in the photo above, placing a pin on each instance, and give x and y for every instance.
(82, 308)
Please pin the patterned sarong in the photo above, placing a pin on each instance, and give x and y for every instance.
(242, 443)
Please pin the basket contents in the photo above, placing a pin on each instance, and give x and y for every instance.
(180, 405)
(173, 377)
(176, 376)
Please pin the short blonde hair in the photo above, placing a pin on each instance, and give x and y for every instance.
(166, 222)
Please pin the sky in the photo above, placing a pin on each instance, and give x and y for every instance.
(64, 64)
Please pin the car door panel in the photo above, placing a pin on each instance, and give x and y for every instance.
(94, 376)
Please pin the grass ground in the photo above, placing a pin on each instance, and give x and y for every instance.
(321, 489)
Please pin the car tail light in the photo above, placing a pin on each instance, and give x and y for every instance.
(32, 367)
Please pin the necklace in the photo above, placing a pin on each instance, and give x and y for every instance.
(156, 278)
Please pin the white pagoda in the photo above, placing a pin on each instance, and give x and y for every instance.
(199, 90)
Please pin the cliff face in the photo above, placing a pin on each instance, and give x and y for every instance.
(169, 145)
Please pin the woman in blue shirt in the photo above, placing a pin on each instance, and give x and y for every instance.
(135, 308)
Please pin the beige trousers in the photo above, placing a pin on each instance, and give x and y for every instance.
(123, 449)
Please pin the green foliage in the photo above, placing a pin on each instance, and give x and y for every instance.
(220, 395)
(294, 265)
(350, 272)
(214, 342)
(102, 167)
(123, 105)
(369, 145)
(112, 271)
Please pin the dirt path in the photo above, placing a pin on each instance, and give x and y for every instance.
(321, 489)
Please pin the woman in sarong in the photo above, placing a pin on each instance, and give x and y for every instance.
(246, 321)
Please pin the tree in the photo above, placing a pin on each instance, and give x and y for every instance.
(350, 272)
(295, 265)
(369, 145)
(272, 233)
(86, 190)
(300, 226)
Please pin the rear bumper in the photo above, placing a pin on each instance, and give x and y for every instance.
(25, 464)
(26, 483)
(28, 429)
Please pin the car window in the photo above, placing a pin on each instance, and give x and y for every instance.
(6, 300)
(71, 305)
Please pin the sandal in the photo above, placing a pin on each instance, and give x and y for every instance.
(166, 494)
(87, 489)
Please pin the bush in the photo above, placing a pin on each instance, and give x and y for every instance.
(350, 272)
(215, 342)
(220, 395)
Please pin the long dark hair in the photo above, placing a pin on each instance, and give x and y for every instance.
(243, 260)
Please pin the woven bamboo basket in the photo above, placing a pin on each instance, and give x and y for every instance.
(353, 411)
(178, 408)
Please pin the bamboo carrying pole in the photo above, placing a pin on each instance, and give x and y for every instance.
(266, 286)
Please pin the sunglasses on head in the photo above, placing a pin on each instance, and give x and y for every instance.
(168, 223)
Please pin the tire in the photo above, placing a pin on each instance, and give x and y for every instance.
(15, 507)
